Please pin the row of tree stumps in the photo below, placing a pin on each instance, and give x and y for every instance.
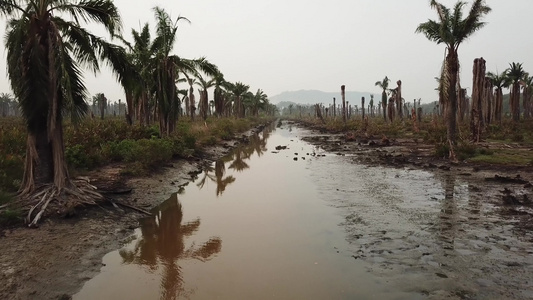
(487, 97)
(395, 108)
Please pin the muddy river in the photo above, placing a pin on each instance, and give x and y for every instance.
(301, 223)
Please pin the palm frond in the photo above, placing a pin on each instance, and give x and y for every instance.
(103, 12)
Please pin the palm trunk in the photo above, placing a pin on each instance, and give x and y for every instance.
(334, 108)
(488, 97)
(399, 99)
(38, 167)
(452, 61)
(526, 98)
(514, 100)
(384, 104)
(343, 94)
(478, 85)
(390, 109)
(102, 107)
(363, 106)
(192, 108)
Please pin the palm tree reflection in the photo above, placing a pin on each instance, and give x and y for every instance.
(163, 244)
(218, 178)
(448, 214)
(236, 161)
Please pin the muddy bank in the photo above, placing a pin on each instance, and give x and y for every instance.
(53, 261)
(467, 237)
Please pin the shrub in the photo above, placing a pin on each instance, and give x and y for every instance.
(11, 171)
(147, 152)
(78, 156)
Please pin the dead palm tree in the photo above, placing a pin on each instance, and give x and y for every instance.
(527, 93)
(384, 85)
(46, 51)
(452, 29)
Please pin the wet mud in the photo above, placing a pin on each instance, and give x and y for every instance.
(445, 231)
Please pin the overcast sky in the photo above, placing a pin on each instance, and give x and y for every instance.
(287, 45)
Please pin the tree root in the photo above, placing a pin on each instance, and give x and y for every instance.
(60, 199)
(49, 199)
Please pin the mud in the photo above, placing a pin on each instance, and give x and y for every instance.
(472, 240)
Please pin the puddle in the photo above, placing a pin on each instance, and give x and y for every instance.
(298, 223)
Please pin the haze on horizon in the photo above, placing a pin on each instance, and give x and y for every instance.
(294, 45)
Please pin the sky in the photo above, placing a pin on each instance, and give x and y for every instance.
(289, 45)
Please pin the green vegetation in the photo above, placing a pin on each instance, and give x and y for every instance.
(505, 157)
(94, 143)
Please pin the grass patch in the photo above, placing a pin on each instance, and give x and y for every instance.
(505, 157)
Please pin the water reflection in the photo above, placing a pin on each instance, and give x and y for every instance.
(237, 161)
(162, 245)
(219, 179)
(448, 213)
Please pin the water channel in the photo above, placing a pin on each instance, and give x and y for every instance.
(300, 223)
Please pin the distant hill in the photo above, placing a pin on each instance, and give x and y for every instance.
(307, 97)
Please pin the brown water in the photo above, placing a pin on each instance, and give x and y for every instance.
(260, 225)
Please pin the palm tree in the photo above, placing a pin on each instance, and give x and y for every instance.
(166, 67)
(515, 73)
(191, 69)
(452, 29)
(138, 88)
(384, 85)
(499, 81)
(7, 105)
(257, 101)
(291, 106)
(102, 104)
(220, 86)
(527, 93)
(204, 96)
(239, 90)
(45, 54)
